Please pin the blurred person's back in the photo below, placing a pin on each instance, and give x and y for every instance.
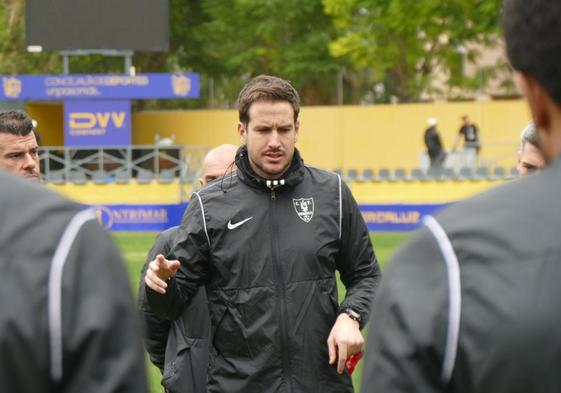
(471, 302)
(67, 321)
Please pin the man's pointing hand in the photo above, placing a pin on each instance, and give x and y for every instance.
(159, 271)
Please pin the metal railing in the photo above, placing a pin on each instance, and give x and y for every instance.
(145, 163)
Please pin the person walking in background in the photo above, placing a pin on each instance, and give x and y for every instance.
(18, 147)
(433, 143)
(470, 134)
(266, 242)
(179, 348)
(530, 158)
(67, 320)
(471, 303)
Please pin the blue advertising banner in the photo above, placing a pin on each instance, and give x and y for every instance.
(379, 218)
(396, 217)
(97, 123)
(99, 86)
(141, 218)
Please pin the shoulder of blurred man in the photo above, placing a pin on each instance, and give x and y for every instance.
(54, 246)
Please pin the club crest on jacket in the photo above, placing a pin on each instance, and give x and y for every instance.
(304, 208)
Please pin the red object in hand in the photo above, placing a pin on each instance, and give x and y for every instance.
(352, 361)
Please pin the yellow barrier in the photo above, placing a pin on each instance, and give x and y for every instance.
(364, 193)
(358, 137)
(131, 193)
(419, 192)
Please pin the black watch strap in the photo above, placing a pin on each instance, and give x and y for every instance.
(355, 316)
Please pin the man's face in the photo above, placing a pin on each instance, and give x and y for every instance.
(530, 160)
(19, 155)
(210, 174)
(215, 167)
(270, 136)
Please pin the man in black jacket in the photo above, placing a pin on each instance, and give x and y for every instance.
(435, 150)
(470, 133)
(67, 321)
(266, 241)
(179, 348)
(471, 302)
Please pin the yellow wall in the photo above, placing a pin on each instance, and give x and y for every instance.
(50, 119)
(195, 127)
(392, 135)
(356, 136)
(332, 137)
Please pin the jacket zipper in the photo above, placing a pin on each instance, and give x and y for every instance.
(281, 294)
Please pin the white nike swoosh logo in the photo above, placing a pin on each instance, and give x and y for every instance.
(237, 224)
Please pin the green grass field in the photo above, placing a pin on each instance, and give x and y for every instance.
(135, 246)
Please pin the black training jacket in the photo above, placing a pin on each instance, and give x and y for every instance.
(267, 252)
(67, 317)
(178, 348)
(472, 303)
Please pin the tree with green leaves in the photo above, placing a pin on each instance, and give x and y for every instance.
(288, 38)
(403, 42)
(380, 48)
(14, 58)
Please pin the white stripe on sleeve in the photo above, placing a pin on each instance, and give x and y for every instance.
(55, 288)
(340, 208)
(454, 296)
(204, 219)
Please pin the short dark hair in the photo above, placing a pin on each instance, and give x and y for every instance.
(532, 33)
(266, 88)
(15, 122)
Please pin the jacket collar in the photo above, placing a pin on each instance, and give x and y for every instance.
(291, 177)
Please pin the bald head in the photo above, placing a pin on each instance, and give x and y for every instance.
(217, 163)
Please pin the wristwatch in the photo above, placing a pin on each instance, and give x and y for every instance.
(355, 316)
